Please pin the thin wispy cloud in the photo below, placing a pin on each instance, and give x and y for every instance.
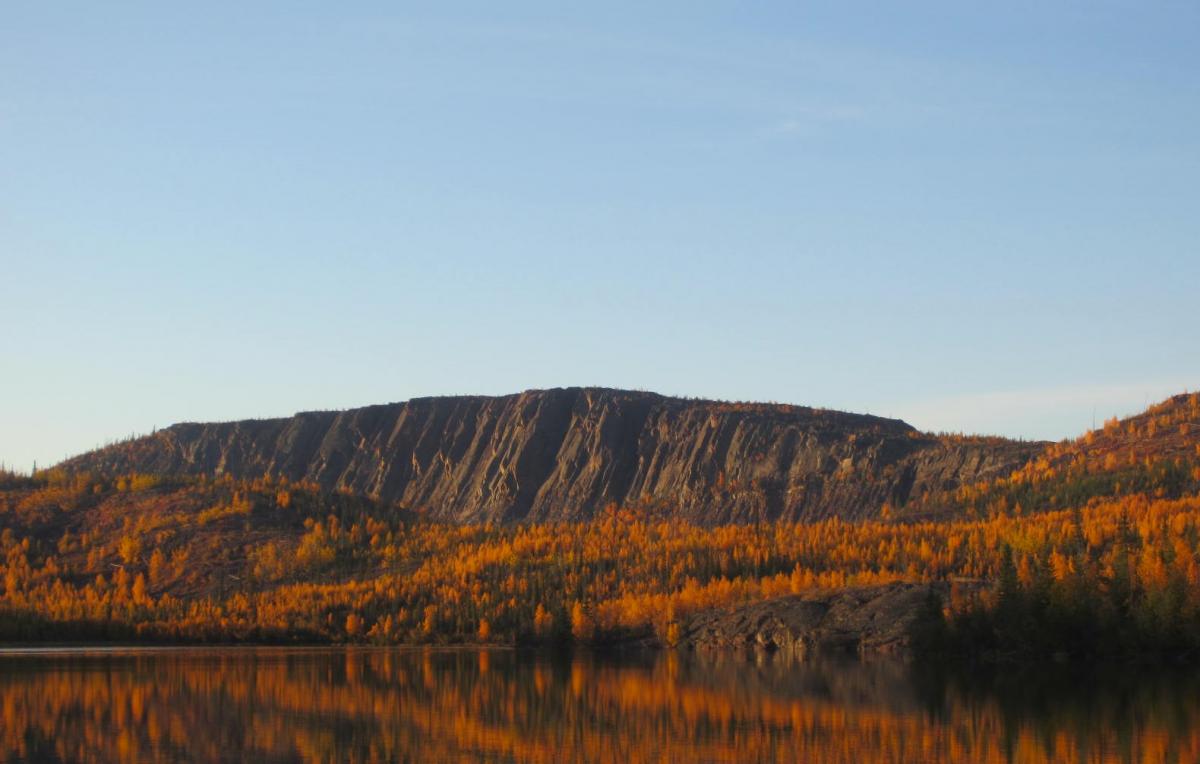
(806, 120)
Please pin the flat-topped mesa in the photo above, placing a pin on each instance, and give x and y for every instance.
(565, 454)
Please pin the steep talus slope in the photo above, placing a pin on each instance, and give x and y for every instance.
(564, 454)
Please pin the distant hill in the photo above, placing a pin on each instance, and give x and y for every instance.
(566, 454)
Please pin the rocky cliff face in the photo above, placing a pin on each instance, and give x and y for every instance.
(565, 454)
(863, 618)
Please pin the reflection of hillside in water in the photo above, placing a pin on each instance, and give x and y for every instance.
(843, 680)
(363, 705)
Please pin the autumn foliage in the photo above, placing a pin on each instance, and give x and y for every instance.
(363, 705)
(1109, 524)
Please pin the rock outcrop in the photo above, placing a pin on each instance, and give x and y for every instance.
(865, 618)
(565, 454)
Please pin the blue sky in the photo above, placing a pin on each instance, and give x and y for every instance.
(977, 217)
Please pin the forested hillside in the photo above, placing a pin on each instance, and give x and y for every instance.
(1099, 536)
(1155, 453)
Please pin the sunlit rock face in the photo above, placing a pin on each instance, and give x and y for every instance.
(565, 454)
(858, 618)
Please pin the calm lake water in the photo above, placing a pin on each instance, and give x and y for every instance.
(266, 704)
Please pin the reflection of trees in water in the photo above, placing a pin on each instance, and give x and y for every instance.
(1115, 712)
(359, 705)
